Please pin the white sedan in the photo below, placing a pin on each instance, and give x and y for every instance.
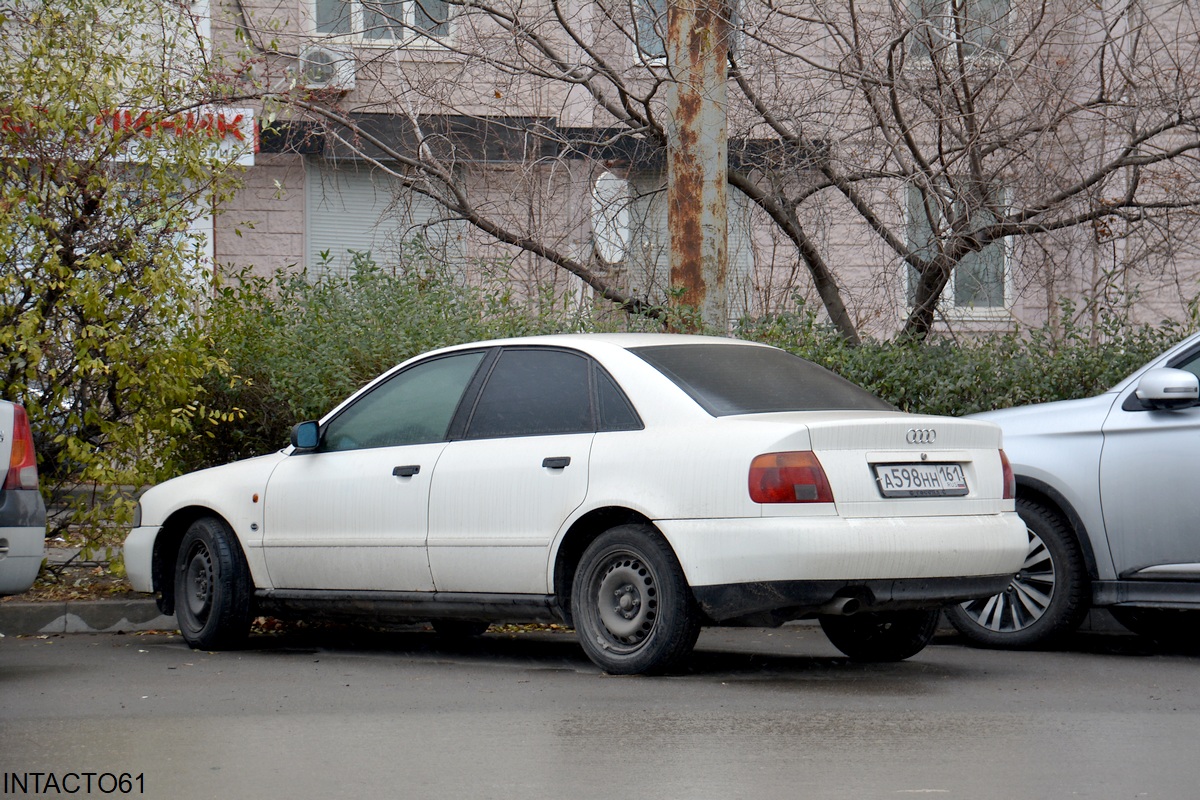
(635, 486)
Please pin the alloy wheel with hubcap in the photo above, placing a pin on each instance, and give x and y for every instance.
(1026, 598)
(1046, 598)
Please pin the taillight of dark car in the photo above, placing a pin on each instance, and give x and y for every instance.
(22, 464)
(1010, 480)
(794, 477)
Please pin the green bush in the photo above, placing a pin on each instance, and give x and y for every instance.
(297, 347)
(98, 273)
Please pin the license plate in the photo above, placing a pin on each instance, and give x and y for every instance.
(921, 480)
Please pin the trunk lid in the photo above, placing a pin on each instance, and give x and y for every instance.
(900, 465)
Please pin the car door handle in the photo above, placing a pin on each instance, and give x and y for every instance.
(556, 462)
(406, 471)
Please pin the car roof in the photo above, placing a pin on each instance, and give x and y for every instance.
(592, 342)
(597, 345)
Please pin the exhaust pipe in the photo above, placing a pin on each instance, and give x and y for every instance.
(841, 606)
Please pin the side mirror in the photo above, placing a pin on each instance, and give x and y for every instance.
(1163, 389)
(306, 436)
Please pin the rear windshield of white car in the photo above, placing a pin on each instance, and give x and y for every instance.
(733, 379)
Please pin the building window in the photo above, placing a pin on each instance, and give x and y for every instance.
(651, 19)
(354, 213)
(384, 20)
(940, 26)
(631, 233)
(979, 282)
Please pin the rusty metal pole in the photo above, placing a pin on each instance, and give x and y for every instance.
(698, 36)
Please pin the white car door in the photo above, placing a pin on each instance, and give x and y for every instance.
(501, 494)
(496, 506)
(352, 515)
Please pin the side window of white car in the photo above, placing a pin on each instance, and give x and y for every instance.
(533, 393)
(613, 411)
(412, 407)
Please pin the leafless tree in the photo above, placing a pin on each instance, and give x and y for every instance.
(919, 154)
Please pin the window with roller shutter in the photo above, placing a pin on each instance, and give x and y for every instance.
(353, 208)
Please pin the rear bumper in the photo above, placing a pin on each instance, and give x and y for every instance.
(740, 567)
(777, 602)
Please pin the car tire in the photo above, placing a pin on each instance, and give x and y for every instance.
(882, 635)
(459, 628)
(1173, 627)
(1046, 600)
(631, 605)
(212, 587)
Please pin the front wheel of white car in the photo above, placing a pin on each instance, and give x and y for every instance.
(631, 605)
(212, 587)
(1046, 599)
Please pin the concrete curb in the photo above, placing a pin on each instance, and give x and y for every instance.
(126, 616)
(83, 616)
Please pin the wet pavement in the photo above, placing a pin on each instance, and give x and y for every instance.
(758, 714)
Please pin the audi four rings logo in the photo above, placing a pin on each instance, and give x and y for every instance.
(921, 436)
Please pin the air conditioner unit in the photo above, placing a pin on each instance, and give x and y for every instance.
(327, 68)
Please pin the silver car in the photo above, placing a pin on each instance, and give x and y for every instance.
(1106, 486)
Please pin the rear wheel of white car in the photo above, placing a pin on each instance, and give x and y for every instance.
(1046, 599)
(631, 605)
(212, 587)
(882, 635)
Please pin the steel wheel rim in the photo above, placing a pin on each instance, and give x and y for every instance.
(198, 582)
(626, 594)
(1027, 598)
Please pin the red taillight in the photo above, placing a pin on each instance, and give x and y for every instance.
(1010, 480)
(789, 478)
(22, 464)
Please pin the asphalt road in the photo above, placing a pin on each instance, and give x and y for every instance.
(760, 714)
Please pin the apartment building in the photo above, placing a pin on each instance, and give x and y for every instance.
(1029, 155)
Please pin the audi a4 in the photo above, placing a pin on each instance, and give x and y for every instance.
(634, 486)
